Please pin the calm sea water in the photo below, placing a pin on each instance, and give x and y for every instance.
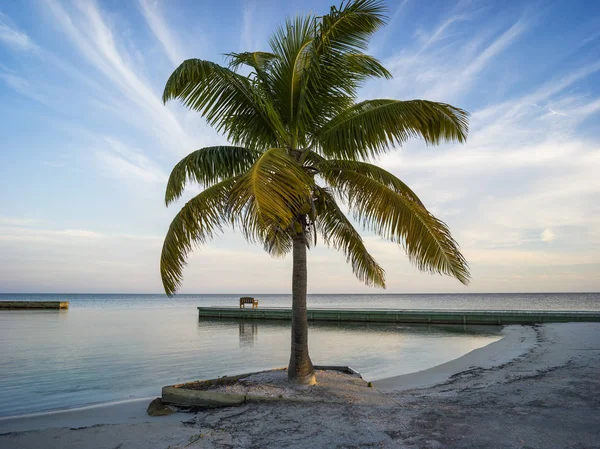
(112, 347)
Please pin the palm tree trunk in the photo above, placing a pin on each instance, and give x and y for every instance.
(300, 369)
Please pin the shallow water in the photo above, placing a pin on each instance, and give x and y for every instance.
(112, 347)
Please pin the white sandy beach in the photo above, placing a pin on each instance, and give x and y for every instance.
(538, 387)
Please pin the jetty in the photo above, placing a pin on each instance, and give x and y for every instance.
(22, 305)
(421, 316)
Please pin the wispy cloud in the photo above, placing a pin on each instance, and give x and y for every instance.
(246, 38)
(23, 87)
(46, 235)
(130, 164)
(521, 197)
(252, 32)
(525, 176)
(446, 64)
(95, 40)
(493, 49)
(440, 32)
(10, 35)
(151, 12)
(13, 221)
(553, 90)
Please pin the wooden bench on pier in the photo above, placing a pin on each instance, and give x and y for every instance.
(248, 300)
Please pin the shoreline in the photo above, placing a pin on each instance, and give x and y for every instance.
(133, 410)
(117, 412)
(517, 340)
(537, 387)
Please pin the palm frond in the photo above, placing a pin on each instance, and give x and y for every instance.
(258, 60)
(330, 167)
(291, 43)
(348, 28)
(208, 166)
(339, 233)
(427, 240)
(271, 193)
(371, 127)
(277, 241)
(195, 224)
(313, 159)
(336, 65)
(294, 118)
(261, 62)
(365, 66)
(228, 102)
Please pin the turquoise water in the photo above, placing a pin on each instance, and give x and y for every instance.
(112, 347)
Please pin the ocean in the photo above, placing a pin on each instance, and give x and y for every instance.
(113, 347)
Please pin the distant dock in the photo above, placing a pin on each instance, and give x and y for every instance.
(488, 317)
(26, 305)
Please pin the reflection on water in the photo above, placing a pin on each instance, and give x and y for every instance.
(88, 355)
(248, 333)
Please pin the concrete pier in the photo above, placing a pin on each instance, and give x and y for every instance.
(491, 317)
(21, 305)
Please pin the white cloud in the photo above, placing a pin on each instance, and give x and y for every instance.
(525, 175)
(13, 37)
(95, 40)
(522, 169)
(150, 10)
(23, 87)
(247, 37)
(77, 260)
(127, 163)
(445, 65)
(14, 221)
(526, 178)
(18, 233)
(440, 32)
(496, 47)
(126, 170)
(548, 235)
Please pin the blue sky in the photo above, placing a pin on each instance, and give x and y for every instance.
(87, 145)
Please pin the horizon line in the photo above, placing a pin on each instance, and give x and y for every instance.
(341, 293)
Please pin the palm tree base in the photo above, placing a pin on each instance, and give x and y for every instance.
(311, 379)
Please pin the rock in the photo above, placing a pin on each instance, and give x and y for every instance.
(157, 408)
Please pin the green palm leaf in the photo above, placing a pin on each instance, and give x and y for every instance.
(277, 241)
(195, 224)
(261, 62)
(372, 172)
(427, 240)
(271, 193)
(292, 46)
(258, 60)
(365, 66)
(337, 66)
(208, 166)
(372, 127)
(227, 101)
(339, 233)
(348, 29)
(293, 118)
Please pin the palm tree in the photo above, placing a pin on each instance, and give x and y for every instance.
(300, 143)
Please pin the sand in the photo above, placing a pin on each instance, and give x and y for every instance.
(538, 387)
(333, 386)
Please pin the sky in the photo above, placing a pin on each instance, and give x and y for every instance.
(86, 145)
